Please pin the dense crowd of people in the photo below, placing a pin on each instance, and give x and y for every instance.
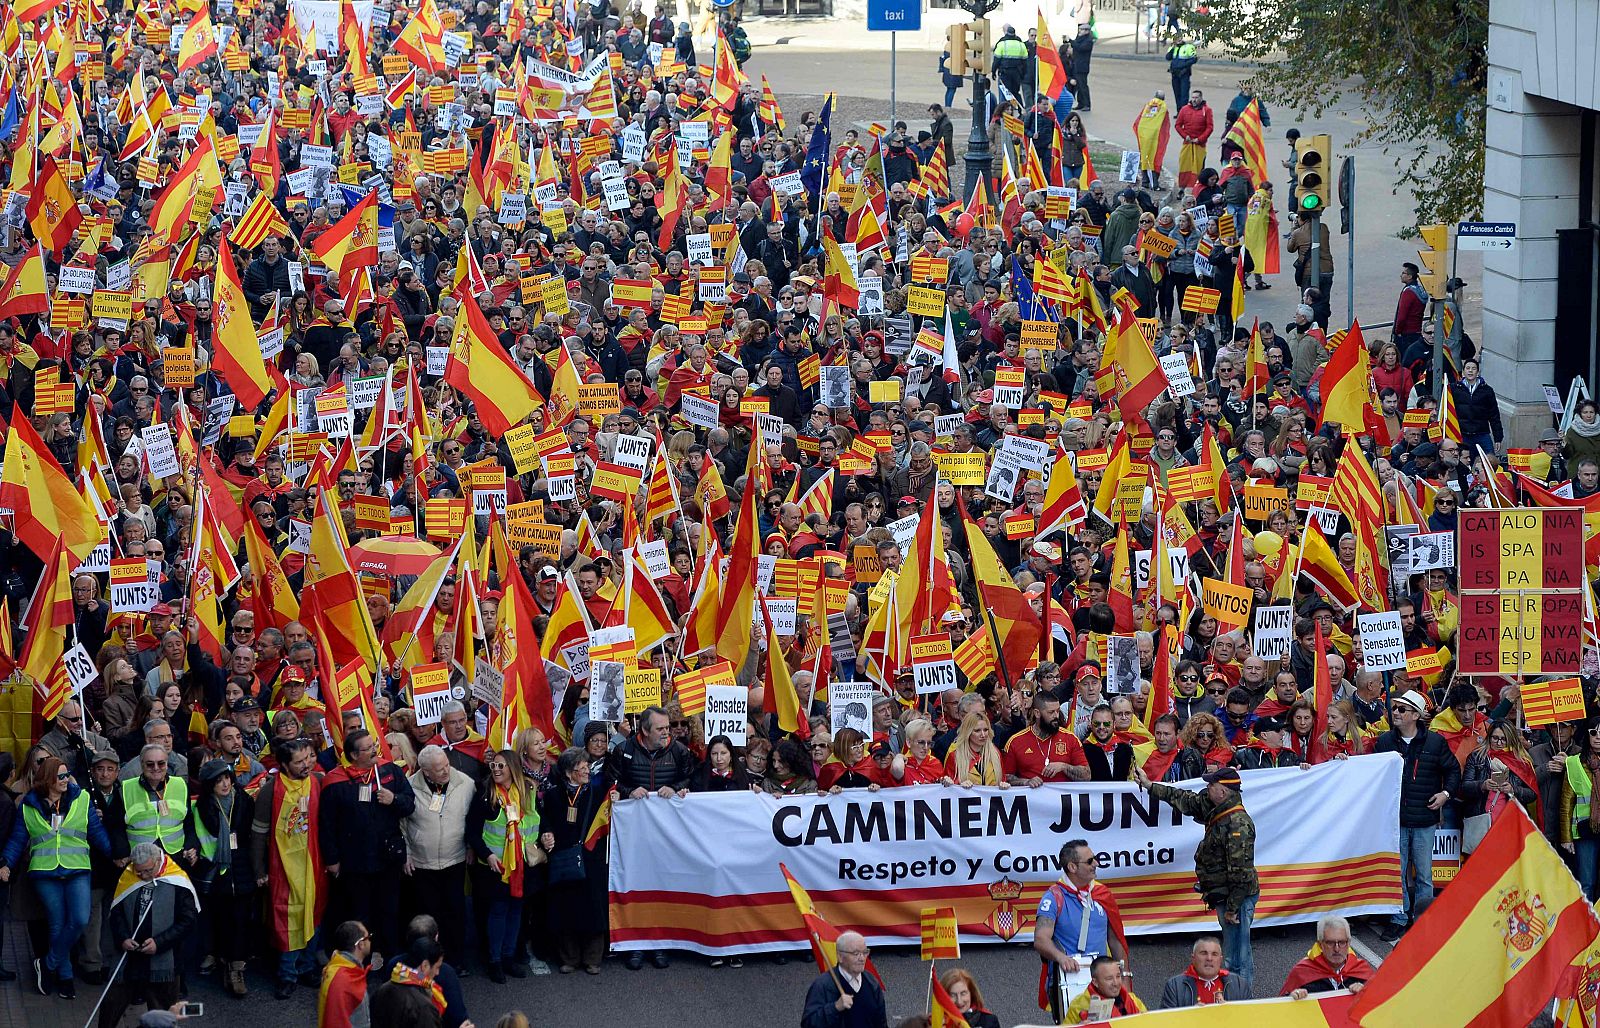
(284, 330)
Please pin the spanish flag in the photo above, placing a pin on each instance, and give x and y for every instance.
(352, 240)
(824, 936)
(600, 827)
(942, 1010)
(130, 882)
(237, 348)
(1345, 380)
(24, 291)
(199, 41)
(482, 369)
(49, 613)
(48, 508)
(52, 211)
(1495, 947)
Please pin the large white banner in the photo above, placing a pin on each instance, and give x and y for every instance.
(701, 873)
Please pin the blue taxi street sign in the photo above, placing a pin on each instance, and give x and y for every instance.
(894, 15)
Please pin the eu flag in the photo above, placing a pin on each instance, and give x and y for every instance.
(817, 153)
(1029, 306)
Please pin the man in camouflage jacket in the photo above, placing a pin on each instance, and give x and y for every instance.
(1225, 861)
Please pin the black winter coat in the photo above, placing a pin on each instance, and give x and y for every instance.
(1429, 768)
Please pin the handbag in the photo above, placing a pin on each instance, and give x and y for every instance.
(1473, 829)
(567, 865)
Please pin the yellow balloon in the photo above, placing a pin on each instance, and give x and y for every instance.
(1268, 544)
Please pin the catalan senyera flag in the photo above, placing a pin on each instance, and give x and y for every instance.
(1016, 628)
(941, 938)
(1449, 420)
(824, 936)
(819, 498)
(1346, 381)
(52, 211)
(238, 350)
(1247, 132)
(482, 369)
(1495, 947)
(46, 504)
(259, 221)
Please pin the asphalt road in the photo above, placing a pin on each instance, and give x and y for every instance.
(688, 992)
(801, 71)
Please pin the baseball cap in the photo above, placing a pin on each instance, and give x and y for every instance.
(245, 704)
(161, 610)
(293, 674)
(1268, 724)
(1087, 671)
(100, 755)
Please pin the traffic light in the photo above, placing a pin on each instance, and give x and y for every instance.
(955, 41)
(1437, 240)
(980, 51)
(1313, 162)
(1347, 193)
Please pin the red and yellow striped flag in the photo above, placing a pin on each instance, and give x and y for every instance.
(975, 657)
(1247, 133)
(1495, 947)
(258, 222)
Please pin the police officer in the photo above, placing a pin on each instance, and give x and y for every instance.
(1011, 61)
(1180, 64)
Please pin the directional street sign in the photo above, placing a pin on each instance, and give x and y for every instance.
(1486, 235)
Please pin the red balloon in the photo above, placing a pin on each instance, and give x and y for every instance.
(963, 225)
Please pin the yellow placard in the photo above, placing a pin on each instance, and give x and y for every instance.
(1260, 500)
(113, 305)
(1228, 603)
(926, 301)
(178, 367)
(868, 567)
(643, 689)
(887, 391)
(961, 468)
(1039, 335)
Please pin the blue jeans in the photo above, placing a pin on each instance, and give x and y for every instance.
(1236, 940)
(1238, 212)
(501, 925)
(66, 905)
(949, 96)
(296, 962)
(1416, 869)
(1588, 861)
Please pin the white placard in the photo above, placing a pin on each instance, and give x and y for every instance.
(80, 667)
(513, 208)
(699, 244)
(633, 140)
(788, 185)
(1274, 632)
(904, 530)
(314, 156)
(134, 597)
(364, 392)
(119, 276)
(699, 411)
(607, 690)
(1123, 672)
(1179, 382)
(771, 427)
(934, 676)
(97, 562)
(73, 279)
(870, 288)
(1429, 550)
(299, 536)
(616, 194)
(1033, 454)
(654, 555)
(850, 706)
(1129, 170)
(633, 451)
(438, 357)
(1383, 643)
(160, 457)
(727, 712)
(784, 611)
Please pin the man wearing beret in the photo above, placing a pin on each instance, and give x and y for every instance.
(1225, 861)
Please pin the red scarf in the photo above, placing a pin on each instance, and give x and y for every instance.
(1524, 771)
(1158, 764)
(1206, 992)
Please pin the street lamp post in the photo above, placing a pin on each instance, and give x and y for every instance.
(978, 158)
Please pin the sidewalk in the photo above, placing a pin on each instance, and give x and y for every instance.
(847, 30)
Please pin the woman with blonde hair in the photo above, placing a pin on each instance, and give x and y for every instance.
(503, 833)
(974, 759)
(401, 747)
(533, 754)
(1343, 737)
(963, 991)
(917, 765)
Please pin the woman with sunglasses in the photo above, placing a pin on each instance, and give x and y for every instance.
(917, 765)
(57, 827)
(1205, 734)
(1498, 772)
